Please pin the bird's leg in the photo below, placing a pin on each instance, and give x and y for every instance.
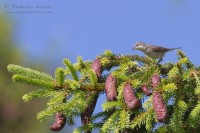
(159, 61)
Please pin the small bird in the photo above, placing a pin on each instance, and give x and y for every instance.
(155, 52)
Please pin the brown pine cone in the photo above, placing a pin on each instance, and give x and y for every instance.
(110, 87)
(146, 90)
(129, 97)
(86, 116)
(59, 123)
(96, 67)
(159, 107)
(155, 80)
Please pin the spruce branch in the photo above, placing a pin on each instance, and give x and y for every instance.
(141, 118)
(194, 116)
(188, 63)
(110, 123)
(176, 121)
(71, 69)
(15, 69)
(76, 88)
(124, 119)
(33, 81)
(93, 78)
(86, 115)
(60, 76)
(111, 104)
(38, 94)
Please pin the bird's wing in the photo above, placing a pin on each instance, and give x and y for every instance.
(159, 49)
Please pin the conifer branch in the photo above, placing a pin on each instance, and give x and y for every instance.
(60, 76)
(194, 116)
(71, 69)
(38, 94)
(141, 118)
(110, 124)
(173, 96)
(15, 69)
(33, 81)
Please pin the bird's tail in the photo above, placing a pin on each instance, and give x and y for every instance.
(175, 48)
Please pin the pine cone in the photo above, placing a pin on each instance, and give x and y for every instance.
(86, 116)
(155, 80)
(59, 123)
(145, 90)
(129, 97)
(110, 86)
(159, 107)
(96, 67)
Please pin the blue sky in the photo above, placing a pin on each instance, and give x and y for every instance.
(87, 28)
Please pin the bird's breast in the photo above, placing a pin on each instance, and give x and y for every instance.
(155, 55)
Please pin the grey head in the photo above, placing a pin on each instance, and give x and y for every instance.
(140, 46)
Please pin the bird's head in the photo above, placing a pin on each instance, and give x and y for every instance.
(139, 46)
